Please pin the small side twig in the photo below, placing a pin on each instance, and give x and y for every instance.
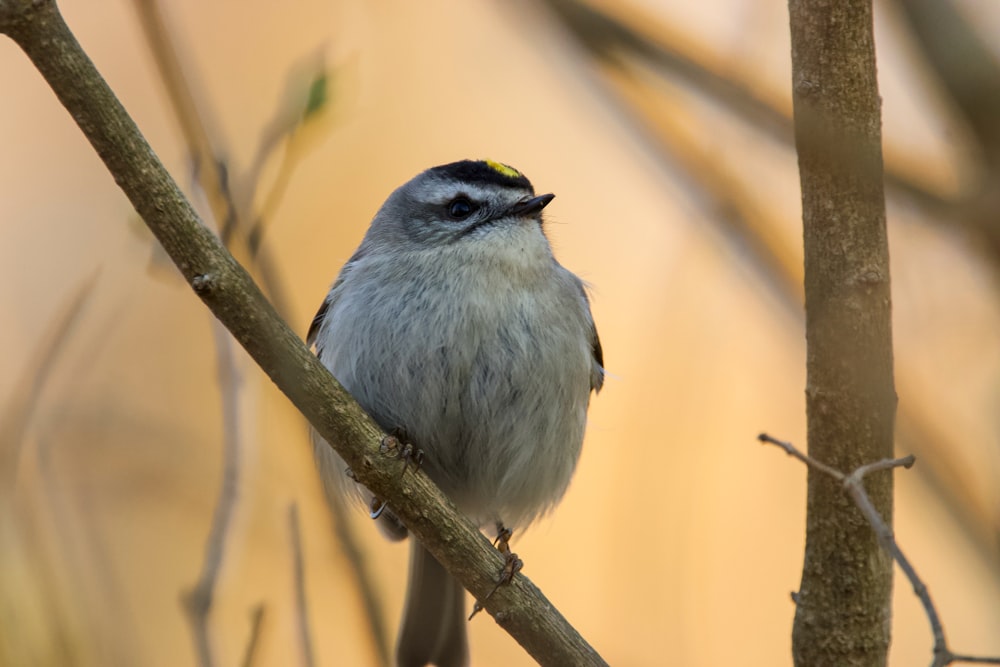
(360, 566)
(198, 601)
(301, 607)
(17, 414)
(256, 623)
(230, 199)
(853, 484)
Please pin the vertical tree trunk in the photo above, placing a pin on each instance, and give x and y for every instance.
(843, 614)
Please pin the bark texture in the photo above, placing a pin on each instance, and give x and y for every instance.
(843, 614)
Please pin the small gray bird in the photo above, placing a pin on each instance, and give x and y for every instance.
(454, 325)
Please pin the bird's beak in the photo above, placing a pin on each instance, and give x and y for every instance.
(531, 206)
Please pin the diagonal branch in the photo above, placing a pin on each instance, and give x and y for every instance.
(16, 416)
(198, 601)
(299, 572)
(256, 623)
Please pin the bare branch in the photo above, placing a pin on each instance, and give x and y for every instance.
(853, 485)
(210, 168)
(206, 151)
(198, 602)
(301, 606)
(958, 657)
(964, 65)
(256, 623)
(361, 566)
(805, 458)
(17, 414)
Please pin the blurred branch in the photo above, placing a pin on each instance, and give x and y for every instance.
(733, 206)
(853, 484)
(212, 175)
(286, 132)
(301, 605)
(613, 34)
(198, 601)
(918, 432)
(213, 179)
(17, 414)
(232, 214)
(360, 565)
(211, 167)
(609, 29)
(256, 623)
(617, 32)
(81, 571)
(226, 288)
(39, 615)
(969, 73)
(964, 65)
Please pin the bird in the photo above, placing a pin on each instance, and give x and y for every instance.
(454, 325)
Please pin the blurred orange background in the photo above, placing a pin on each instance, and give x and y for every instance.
(680, 538)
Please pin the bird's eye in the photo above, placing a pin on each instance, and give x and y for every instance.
(460, 208)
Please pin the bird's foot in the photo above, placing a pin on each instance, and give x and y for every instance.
(511, 565)
(398, 445)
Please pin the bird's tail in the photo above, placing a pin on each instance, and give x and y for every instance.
(433, 629)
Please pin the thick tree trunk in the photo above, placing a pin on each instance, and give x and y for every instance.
(843, 614)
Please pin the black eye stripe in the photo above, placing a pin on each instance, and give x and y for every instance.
(460, 208)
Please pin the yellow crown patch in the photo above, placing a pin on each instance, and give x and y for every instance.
(510, 172)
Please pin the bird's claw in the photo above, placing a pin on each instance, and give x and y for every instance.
(398, 446)
(511, 565)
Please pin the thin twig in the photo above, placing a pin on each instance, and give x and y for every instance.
(234, 214)
(19, 410)
(82, 573)
(360, 565)
(212, 180)
(211, 168)
(212, 176)
(198, 601)
(256, 623)
(854, 486)
(301, 605)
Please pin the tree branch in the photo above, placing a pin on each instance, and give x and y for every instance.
(256, 623)
(853, 484)
(16, 415)
(197, 602)
(299, 575)
(520, 608)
